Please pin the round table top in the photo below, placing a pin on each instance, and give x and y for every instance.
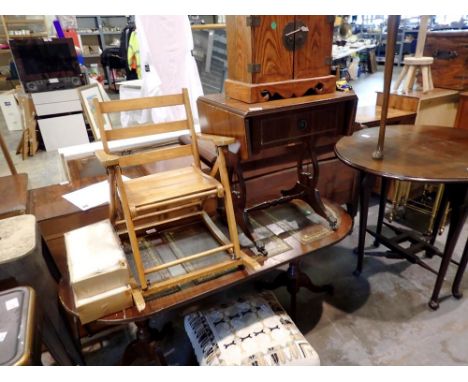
(192, 294)
(411, 152)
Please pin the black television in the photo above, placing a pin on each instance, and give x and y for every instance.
(45, 65)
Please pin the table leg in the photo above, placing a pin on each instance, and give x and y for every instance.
(383, 201)
(239, 200)
(310, 180)
(459, 276)
(144, 347)
(457, 195)
(307, 180)
(294, 279)
(366, 181)
(352, 207)
(50, 262)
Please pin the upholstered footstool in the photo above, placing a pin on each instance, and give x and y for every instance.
(250, 330)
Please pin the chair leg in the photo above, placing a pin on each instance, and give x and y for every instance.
(230, 216)
(113, 196)
(431, 84)
(425, 78)
(228, 204)
(413, 78)
(7, 155)
(400, 77)
(131, 231)
(409, 79)
(136, 252)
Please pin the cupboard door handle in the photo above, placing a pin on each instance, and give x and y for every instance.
(295, 35)
(301, 29)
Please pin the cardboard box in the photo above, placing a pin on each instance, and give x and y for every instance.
(98, 306)
(10, 110)
(96, 261)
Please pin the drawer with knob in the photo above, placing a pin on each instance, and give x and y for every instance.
(320, 124)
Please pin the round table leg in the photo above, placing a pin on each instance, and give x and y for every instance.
(461, 270)
(143, 348)
(433, 304)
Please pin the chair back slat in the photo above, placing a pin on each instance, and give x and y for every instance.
(181, 99)
(188, 110)
(155, 155)
(141, 103)
(149, 129)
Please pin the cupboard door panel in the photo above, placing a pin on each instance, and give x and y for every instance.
(276, 62)
(313, 59)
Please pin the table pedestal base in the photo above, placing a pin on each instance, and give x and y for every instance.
(144, 349)
(294, 279)
(305, 189)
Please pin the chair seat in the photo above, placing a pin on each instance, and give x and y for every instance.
(419, 60)
(168, 185)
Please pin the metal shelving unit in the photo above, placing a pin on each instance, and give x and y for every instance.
(403, 47)
(98, 33)
(406, 39)
(101, 27)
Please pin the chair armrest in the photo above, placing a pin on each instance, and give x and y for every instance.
(107, 160)
(206, 149)
(218, 140)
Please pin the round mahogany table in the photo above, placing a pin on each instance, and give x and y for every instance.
(429, 154)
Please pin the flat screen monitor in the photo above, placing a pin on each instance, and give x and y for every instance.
(46, 64)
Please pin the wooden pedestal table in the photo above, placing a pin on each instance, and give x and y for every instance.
(418, 153)
(146, 344)
(271, 134)
(294, 279)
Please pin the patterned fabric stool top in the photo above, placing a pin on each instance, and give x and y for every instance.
(250, 330)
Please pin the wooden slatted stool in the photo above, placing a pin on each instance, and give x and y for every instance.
(252, 330)
(412, 65)
(417, 63)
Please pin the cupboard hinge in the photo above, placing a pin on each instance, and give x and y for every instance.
(253, 68)
(253, 21)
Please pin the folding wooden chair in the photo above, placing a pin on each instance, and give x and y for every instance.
(168, 196)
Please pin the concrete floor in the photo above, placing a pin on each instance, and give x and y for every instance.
(379, 318)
